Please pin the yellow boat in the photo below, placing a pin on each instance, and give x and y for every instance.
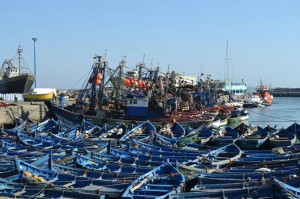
(39, 94)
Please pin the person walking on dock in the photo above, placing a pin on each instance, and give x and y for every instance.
(16, 98)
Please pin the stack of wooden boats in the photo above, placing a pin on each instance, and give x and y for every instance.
(53, 159)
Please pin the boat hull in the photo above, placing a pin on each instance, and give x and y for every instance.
(38, 97)
(18, 84)
(72, 117)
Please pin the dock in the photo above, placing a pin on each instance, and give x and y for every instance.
(34, 111)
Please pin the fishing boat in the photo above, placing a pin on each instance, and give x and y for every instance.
(224, 137)
(220, 157)
(284, 190)
(264, 93)
(282, 138)
(13, 190)
(253, 139)
(254, 101)
(157, 183)
(295, 129)
(40, 94)
(31, 173)
(15, 78)
(20, 128)
(140, 130)
(252, 192)
(172, 130)
(237, 116)
(100, 165)
(139, 104)
(200, 135)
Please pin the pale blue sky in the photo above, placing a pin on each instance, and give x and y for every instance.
(190, 35)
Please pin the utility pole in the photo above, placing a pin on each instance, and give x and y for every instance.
(34, 40)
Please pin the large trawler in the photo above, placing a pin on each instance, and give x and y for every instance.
(15, 78)
(143, 99)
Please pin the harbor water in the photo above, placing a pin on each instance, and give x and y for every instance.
(283, 112)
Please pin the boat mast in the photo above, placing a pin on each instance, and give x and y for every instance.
(166, 88)
(141, 66)
(20, 50)
(121, 68)
(228, 63)
(101, 89)
(96, 70)
(228, 79)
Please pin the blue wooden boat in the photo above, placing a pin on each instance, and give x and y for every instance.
(140, 131)
(167, 153)
(80, 131)
(228, 186)
(261, 168)
(265, 160)
(284, 190)
(243, 128)
(35, 174)
(200, 135)
(13, 146)
(255, 193)
(47, 125)
(13, 190)
(282, 138)
(71, 169)
(100, 165)
(157, 183)
(34, 142)
(69, 134)
(148, 157)
(166, 142)
(295, 129)
(125, 177)
(128, 160)
(165, 147)
(17, 129)
(224, 137)
(174, 130)
(220, 157)
(116, 132)
(214, 178)
(254, 139)
(7, 137)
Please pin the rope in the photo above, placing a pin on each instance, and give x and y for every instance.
(84, 76)
(44, 187)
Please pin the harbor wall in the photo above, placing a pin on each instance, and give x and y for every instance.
(285, 92)
(33, 111)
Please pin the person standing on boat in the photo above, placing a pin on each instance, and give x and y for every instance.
(62, 100)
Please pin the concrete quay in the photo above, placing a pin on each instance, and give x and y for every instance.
(34, 111)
